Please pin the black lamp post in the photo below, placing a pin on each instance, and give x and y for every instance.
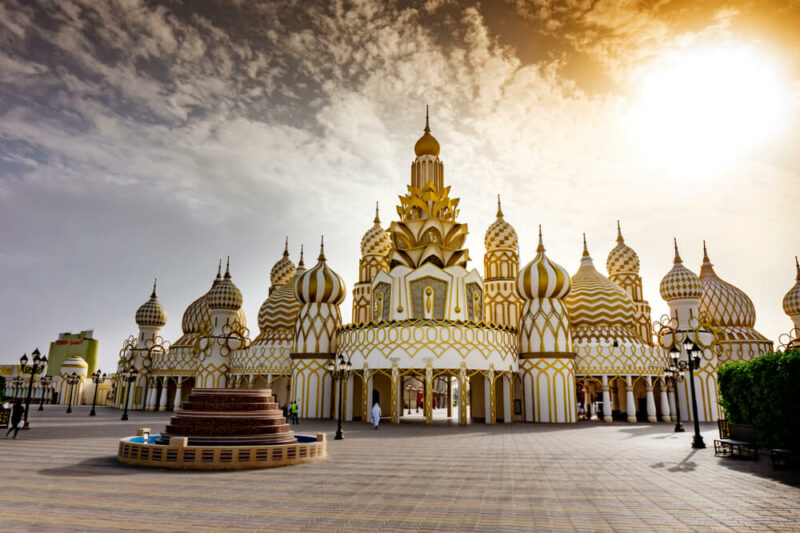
(674, 355)
(97, 378)
(45, 382)
(693, 362)
(39, 362)
(129, 378)
(72, 380)
(339, 370)
(17, 384)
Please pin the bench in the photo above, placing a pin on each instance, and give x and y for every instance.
(784, 458)
(736, 440)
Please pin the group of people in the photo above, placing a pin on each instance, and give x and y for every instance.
(290, 412)
(17, 418)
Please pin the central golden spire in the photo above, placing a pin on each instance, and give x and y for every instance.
(427, 144)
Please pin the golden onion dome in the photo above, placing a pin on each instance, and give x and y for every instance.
(723, 303)
(501, 235)
(320, 284)
(74, 363)
(542, 278)
(280, 309)
(791, 302)
(283, 271)
(427, 144)
(622, 259)
(197, 317)
(595, 300)
(225, 295)
(376, 240)
(151, 313)
(680, 283)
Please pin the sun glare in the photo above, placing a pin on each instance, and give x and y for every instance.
(703, 108)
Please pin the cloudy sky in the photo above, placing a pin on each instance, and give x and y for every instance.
(142, 139)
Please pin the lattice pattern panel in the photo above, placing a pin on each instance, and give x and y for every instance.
(544, 327)
(315, 329)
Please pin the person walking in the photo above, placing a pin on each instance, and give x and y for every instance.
(376, 415)
(294, 413)
(17, 415)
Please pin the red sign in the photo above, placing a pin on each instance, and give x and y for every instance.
(62, 342)
(76, 342)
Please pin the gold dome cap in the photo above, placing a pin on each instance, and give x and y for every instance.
(723, 303)
(622, 259)
(283, 270)
(427, 144)
(791, 302)
(542, 278)
(501, 235)
(225, 295)
(680, 283)
(376, 240)
(320, 284)
(151, 313)
(595, 300)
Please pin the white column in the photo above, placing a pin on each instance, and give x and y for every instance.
(487, 400)
(527, 386)
(606, 401)
(673, 413)
(665, 407)
(651, 401)
(150, 397)
(162, 402)
(176, 404)
(368, 385)
(508, 401)
(629, 401)
(348, 402)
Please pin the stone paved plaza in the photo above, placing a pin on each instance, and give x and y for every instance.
(62, 475)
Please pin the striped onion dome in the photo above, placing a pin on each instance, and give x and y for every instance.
(376, 240)
(723, 303)
(197, 317)
(74, 363)
(622, 259)
(500, 235)
(595, 300)
(680, 283)
(225, 295)
(791, 302)
(320, 284)
(283, 271)
(151, 313)
(542, 278)
(280, 309)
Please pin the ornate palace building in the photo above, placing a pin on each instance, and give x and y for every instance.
(516, 344)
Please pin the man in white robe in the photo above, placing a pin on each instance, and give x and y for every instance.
(376, 415)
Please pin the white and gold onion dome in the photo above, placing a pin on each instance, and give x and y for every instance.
(427, 144)
(225, 294)
(376, 241)
(151, 313)
(622, 259)
(501, 235)
(279, 310)
(542, 278)
(320, 284)
(283, 270)
(791, 302)
(723, 303)
(595, 300)
(74, 363)
(197, 318)
(680, 283)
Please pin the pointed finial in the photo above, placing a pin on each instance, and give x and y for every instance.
(585, 248)
(499, 209)
(155, 283)
(677, 255)
(427, 127)
(797, 264)
(301, 264)
(705, 253)
(377, 218)
(219, 270)
(321, 248)
(540, 248)
(228, 268)
(286, 247)
(619, 233)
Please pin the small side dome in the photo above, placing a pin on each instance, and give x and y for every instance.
(225, 295)
(791, 302)
(427, 144)
(279, 311)
(680, 283)
(320, 284)
(541, 278)
(283, 271)
(724, 304)
(500, 235)
(595, 300)
(151, 313)
(622, 259)
(74, 363)
(376, 240)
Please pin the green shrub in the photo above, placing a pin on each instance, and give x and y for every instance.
(764, 393)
